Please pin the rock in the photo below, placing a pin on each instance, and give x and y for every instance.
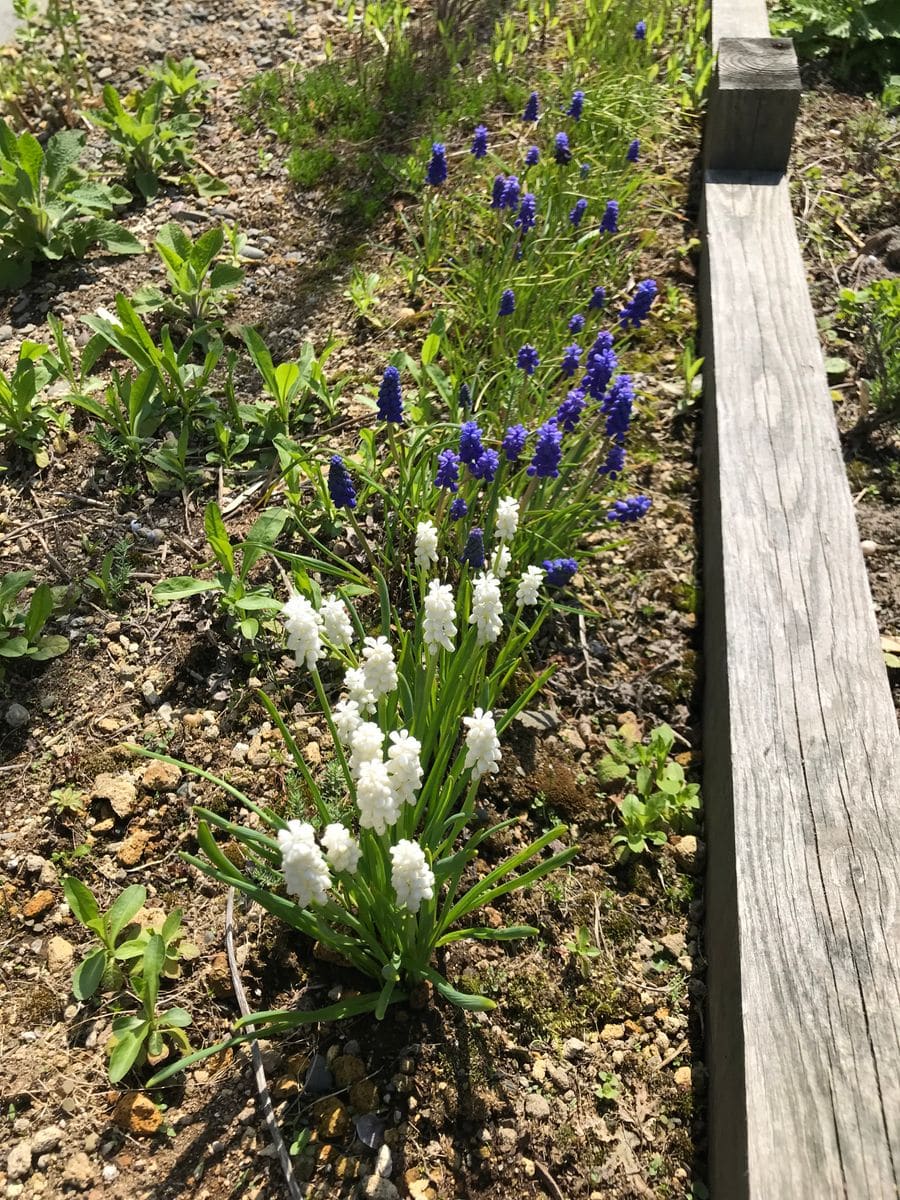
(137, 1114)
(332, 1118)
(572, 738)
(285, 1087)
(558, 1077)
(612, 1033)
(537, 1107)
(6, 332)
(219, 977)
(421, 1189)
(17, 716)
(376, 1188)
(239, 752)
(573, 1048)
(18, 1164)
(253, 253)
(507, 1139)
(161, 777)
(131, 851)
(384, 1162)
(312, 752)
(364, 1096)
(690, 854)
(347, 1070)
(79, 1172)
(46, 1140)
(59, 954)
(40, 903)
(118, 791)
(674, 944)
(683, 1077)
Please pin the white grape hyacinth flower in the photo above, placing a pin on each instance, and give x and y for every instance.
(336, 623)
(347, 720)
(500, 562)
(482, 743)
(487, 608)
(375, 796)
(529, 587)
(411, 875)
(507, 519)
(439, 622)
(306, 874)
(379, 667)
(426, 544)
(341, 849)
(303, 626)
(366, 743)
(359, 691)
(404, 766)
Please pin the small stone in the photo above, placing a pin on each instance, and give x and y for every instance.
(347, 1069)
(161, 777)
(572, 738)
(683, 1077)
(384, 1162)
(507, 1140)
(690, 854)
(346, 1167)
(312, 752)
(40, 903)
(239, 752)
(59, 957)
(612, 1033)
(6, 332)
(674, 944)
(558, 1077)
(537, 1107)
(574, 1048)
(219, 977)
(137, 1114)
(285, 1087)
(131, 851)
(119, 793)
(79, 1172)
(253, 253)
(364, 1096)
(18, 1164)
(421, 1189)
(332, 1118)
(17, 716)
(46, 1140)
(376, 1188)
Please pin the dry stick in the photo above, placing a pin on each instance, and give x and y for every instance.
(265, 1097)
(548, 1181)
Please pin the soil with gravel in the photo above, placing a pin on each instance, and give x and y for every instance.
(587, 1080)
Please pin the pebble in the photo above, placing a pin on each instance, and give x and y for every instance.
(161, 777)
(384, 1163)
(137, 1114)
(253, 253)
(117, 791)
(6, 333)
(59, 957)
(18, 1164)
(17, 716)
(377, 1188)
(537, 1107)
(79, 1172)
(46, 1140)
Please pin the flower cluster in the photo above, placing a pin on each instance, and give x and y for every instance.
(574, 109)
(527, 213)
(482, 744)
(473, 554)
(628, 510)
(610, 220)
(561, 149)
(480, 142)
(487, 608)
(637, 310)
(548, 451)
(340, 485)
(336, 623)
(507, 303)
(531, 108)
(448, 471)
(633, 151)
(527, 593)
(426, 545)
(303, 626)
(507, 518)
(578, 212)
(437, 168)
(439, 621)
(527, 359)
(411, 877)
(559, 571)
(306, 874)
(390, 399)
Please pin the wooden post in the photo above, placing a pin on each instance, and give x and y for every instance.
(753, 105)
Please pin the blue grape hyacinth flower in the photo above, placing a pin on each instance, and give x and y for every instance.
(340, 485)
(598, 298)
(458, 509)
(465, 397)
(511, 193)
(497, 191)
(448, 471)
(532, 156)
(632, 508)
(610, 221)
(437, 168)
(474, 551)
(578, 212)
(569, 412)
(470, 447)
(559, 571)
(633, 151)
(571, 358)
(507, 303)
(637, 310)
(390, 397)
(561, 150)
(485, 466)
(527, 359)
(527, 212)
(617, 406)
(576, 323)
(640, 31)
(480, 141)
(531, 108)
(548, 451)
(514, 442)
(575, 108)
(614, 464)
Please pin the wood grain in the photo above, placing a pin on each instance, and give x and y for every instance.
(802, 751)
(753, 105)
(738, 19)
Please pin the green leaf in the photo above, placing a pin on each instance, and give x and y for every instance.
(430, 347)
(39, 610)
(217, 536)
(114, 237)
(50, 646)
(223, 275)
(466, 1000)
(63, 152)
(175, 1018)
(126, 906)
(125, 1052)
(486, 934)
(154, 961)
(264, 533)
(80, 900)
(88, 974)
(180, 587)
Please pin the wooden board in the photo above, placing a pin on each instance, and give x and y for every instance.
(802, 752)
(753, 105)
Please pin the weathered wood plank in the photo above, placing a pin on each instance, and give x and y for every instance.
(753, 105)
(802, 750)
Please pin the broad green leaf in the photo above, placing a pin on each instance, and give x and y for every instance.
(39, 610)
(130, 902)
(80, 900)
(175, 1018)
(88, 974)
(63, 152)
(154, 961)
(466, 1000)
(217, 536)
(125, 1053)
(180, 587)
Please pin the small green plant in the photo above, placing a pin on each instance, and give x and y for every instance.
(691, 366)
(48, 207)
(48, 69)
(584, 950)
(26, 417)
(153, 139)
(114, 575)
(609, 1087)
(133, 958)
(67, 801)
(200, 287)
(186, 91)
(237, 596)
(874, 314)
(861, 37)
(290, 384)
(21, 628)
(363, 291)
(661, 800)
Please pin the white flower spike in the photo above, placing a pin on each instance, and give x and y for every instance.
(379, 667)
(341, 850)
(306, 873)
(529, 587)
(482, 743)
(411, 875)
(426, 544)
(336, 623)
(439, 622)
(487, 608)
(303, 626)
(507, 519)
